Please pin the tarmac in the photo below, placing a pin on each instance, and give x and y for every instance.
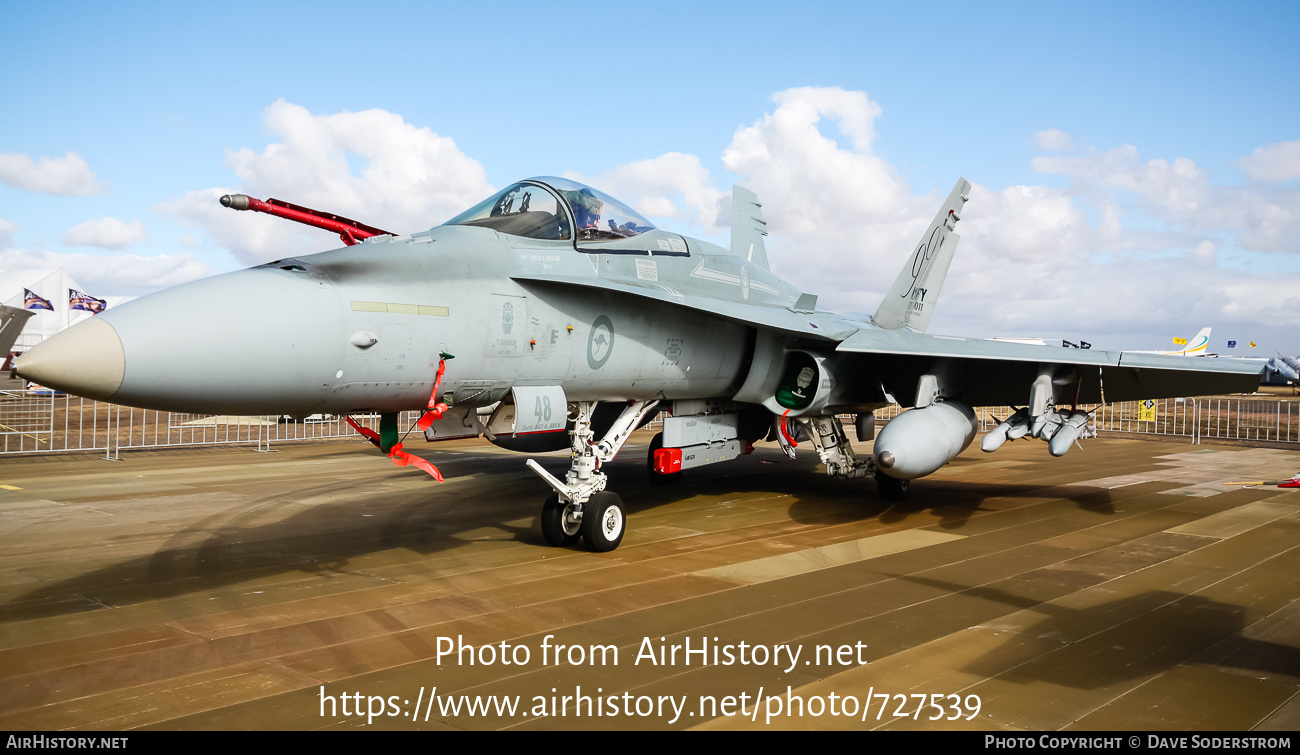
(1121, 587)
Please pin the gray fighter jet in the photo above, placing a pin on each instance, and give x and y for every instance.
(12, 320)
(573, 320)
(1288, 367)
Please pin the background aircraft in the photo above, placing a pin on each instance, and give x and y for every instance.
(1288, 366)
(574, 319)
(1196, 346)
(12, 320)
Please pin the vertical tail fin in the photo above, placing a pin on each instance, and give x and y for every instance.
(1197, 346)
(748, 227)
(910, 302)
(12, 320)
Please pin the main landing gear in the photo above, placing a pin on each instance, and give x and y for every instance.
(837, 454)
(581, 507)
(891, 488)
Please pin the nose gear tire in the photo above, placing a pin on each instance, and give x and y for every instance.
(603, 522)
(557, 526)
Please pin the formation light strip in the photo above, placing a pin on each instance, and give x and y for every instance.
(399, 309)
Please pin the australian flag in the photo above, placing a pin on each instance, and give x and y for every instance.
(1068, 345)
(1085, 345)
(1232, 344)
(32, 301)
(78, 300)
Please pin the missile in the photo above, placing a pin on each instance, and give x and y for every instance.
(1013, 428)
(1067, 434)
(919, 441)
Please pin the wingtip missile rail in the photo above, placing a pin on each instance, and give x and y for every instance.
(350, 231)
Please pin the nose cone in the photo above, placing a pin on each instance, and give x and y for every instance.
(258, 341)
(84, 360)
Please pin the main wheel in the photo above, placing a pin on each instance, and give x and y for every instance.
(603, 522)
(558, 525)
(891, 488)
(657, 443)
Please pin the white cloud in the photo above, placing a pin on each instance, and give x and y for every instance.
(837, 212)
(106, 233)
(1178, 188)
(67, 176)
(113, 274)
(106, 274)
(1131, 246)
(1180, 194)
(410, 179)
(1272, 162)
(1053, 139)
(673, 185)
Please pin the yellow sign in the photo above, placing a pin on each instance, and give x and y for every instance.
(1252, 344)
(1180, 341)
(1147, 411)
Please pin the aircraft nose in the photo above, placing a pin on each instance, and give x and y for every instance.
(256, 341)
(85, 360)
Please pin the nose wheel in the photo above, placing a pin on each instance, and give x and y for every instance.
(603, 522)
(561, 522)
(581, 507)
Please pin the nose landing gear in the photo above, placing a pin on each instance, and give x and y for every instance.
(581, 507)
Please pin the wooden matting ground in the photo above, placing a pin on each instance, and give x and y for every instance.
(1121, 587)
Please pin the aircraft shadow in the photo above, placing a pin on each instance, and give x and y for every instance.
(1127, 639)
(818, 499)
(320, 529)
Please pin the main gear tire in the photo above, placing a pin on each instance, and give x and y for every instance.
(891, 488)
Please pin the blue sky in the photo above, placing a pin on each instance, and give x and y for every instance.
(1109, 144)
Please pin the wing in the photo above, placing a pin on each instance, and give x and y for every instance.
(983, 372)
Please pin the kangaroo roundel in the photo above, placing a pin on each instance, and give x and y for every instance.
(600, 342)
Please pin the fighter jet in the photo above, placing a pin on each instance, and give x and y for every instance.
(12, 320)
(1289, 367)
(573, 320)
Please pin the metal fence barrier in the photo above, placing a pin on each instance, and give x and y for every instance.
(34, 423)
(49, 423)
(1214, 418)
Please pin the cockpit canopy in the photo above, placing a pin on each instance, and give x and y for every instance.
(551, 208)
